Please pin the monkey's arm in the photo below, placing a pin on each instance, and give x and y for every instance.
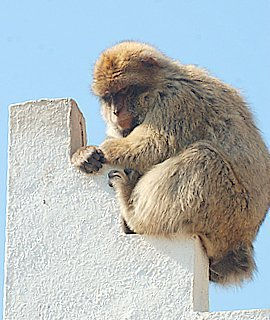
(140, 150)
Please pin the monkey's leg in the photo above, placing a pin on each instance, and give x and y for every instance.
(197, 192)
(124, 182)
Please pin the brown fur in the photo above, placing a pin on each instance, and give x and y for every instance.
(205, 168)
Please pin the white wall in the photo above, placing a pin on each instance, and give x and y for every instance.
(66, 257)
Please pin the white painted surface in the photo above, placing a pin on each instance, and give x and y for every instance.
(66, 257)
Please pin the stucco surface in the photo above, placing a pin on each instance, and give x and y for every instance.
(66, 257)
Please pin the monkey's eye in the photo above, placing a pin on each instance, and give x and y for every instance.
(123, 91)
(106, 98)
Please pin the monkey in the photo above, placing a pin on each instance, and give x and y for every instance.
(191, 158)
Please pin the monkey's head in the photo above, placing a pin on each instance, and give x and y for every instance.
(126, 78)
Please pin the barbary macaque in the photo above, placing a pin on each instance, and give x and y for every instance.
(193, 161)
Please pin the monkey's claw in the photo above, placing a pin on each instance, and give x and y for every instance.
(113, 175)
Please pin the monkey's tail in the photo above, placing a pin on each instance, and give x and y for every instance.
(234, 267)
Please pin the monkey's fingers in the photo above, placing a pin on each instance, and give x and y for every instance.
(91, 166)
(114, 173)
(99, 155)
(133, 175)
(93, 162)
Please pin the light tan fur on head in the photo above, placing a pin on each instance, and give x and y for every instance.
(127, 63)
(203, 166)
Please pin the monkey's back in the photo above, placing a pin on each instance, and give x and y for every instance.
(212, 111)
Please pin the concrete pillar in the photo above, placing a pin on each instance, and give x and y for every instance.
(66, 257)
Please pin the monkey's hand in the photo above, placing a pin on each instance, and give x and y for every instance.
(88, 159)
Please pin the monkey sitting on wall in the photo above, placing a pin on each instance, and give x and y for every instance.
(194, 161)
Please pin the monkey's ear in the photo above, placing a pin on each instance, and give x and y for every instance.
(149, 62)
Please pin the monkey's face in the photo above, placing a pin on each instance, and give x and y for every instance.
(124, 110)
(125, 78)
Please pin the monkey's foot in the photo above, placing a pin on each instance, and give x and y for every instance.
(127, 177)
(88, 159)
(123, 183)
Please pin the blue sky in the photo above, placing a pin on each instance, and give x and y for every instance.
(48, 49)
